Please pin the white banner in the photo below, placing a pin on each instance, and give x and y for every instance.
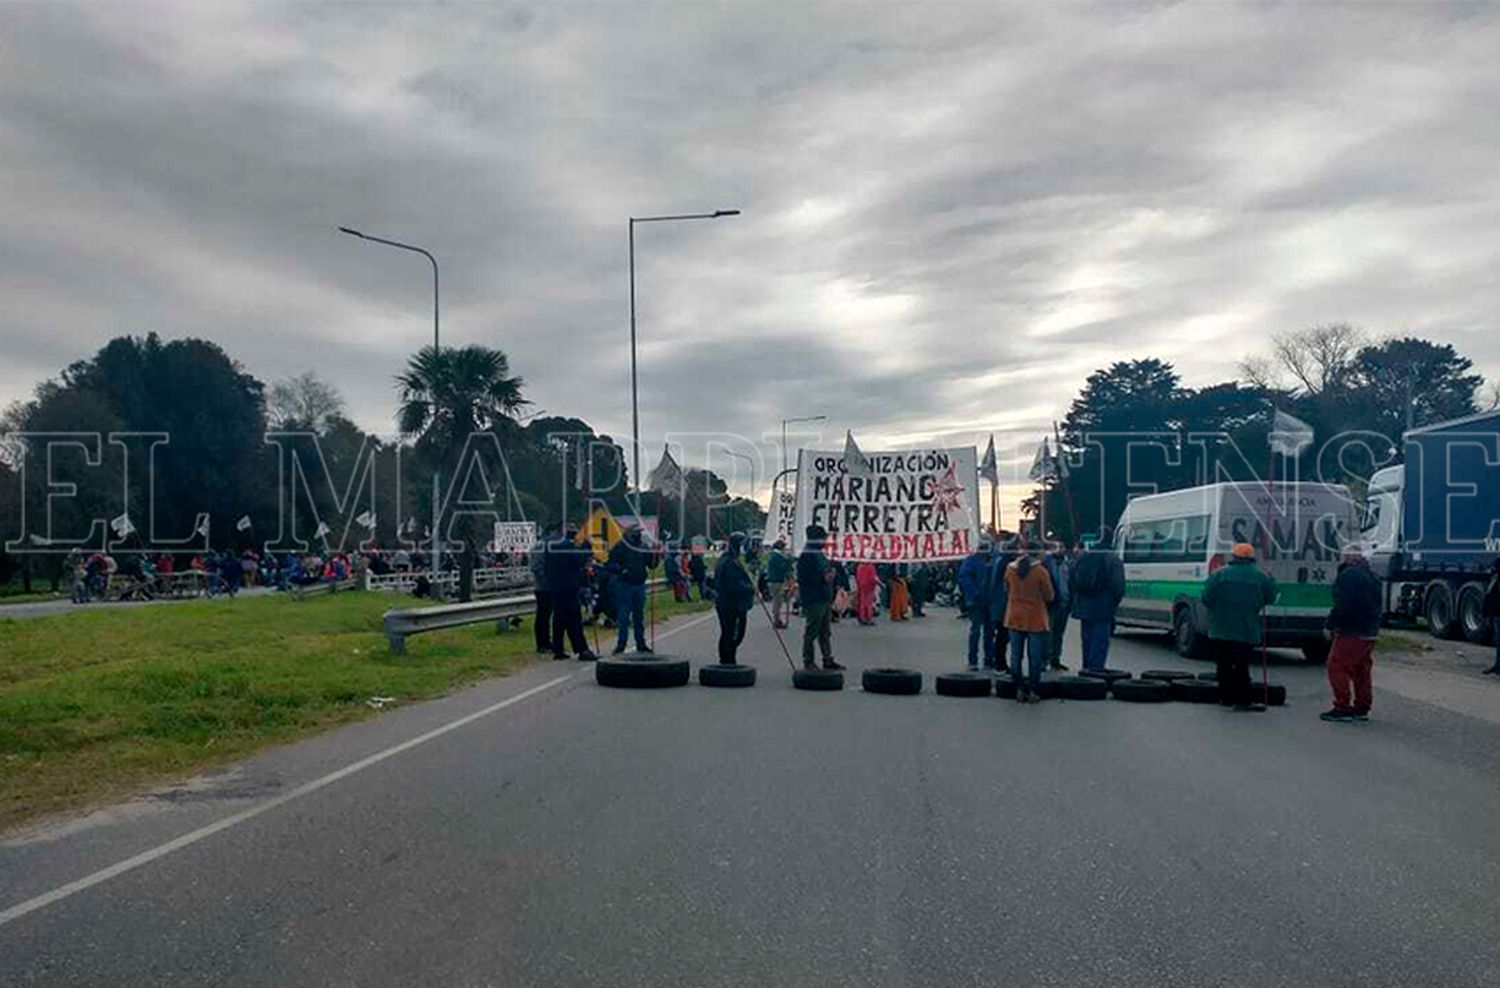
(781, 519)
(915, 505)
(514, 536)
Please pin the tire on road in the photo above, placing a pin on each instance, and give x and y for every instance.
(1141, 690)
(1194, 691)
(1108, 675)
(1080, 688)
(963, 684)
(1185, 637)
(892, 682)
(730, 677)
(644, 672)
(1166, 675)
(818, 680)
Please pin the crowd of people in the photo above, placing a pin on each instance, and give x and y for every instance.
(147, 575)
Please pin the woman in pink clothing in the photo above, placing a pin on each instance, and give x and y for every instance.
(866, 584)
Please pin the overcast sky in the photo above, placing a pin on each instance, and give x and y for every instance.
(952, 214)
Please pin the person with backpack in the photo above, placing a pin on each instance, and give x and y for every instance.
(1353, 624)
(1235, 595)
(1492, 612)
(734, 594)
(1098, 586)
(1029, 594)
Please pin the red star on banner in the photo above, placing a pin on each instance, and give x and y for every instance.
(947, 492)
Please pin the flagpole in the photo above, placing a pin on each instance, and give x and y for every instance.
(1062, 473)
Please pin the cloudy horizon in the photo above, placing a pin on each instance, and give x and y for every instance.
(951, 214)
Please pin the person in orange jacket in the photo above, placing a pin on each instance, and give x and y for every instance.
(1029, 591)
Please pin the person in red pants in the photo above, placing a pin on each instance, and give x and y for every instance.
(866, 585)
(1353, 624)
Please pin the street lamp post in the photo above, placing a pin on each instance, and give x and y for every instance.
(635, 406)
(785, 422)
(750, 460)
(436, 538)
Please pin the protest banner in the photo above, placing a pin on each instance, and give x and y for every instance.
(901, 506)
(781, 518)
(514, 536)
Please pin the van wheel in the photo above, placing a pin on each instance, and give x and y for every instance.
(1442, 619)
(1190, 644)
(1472, 623)
(1316, 652)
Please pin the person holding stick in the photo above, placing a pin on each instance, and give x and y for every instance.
(734, 593)
(815, 593)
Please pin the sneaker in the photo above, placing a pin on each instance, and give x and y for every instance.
(560, 657)
(1363, 716)
(644, 650)
(832, 666)
(973, 667)
(587, 657)
(618, 650)
(1336, 715)
(809, 664)
(1493, 670)
(1059, 667)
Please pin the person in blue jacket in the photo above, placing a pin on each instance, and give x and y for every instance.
(974, 581)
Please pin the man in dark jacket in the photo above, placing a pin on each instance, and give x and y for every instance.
(778, 577)
(1098, 586)
(1354, 624)
(1492, 613)
(815, 593)
(1235, 595)
(563, 572)
(536, 561)
(974, 582)
(698, 570)
(629, 565)
(734, 595)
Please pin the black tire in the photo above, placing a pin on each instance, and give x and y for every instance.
(1108, 675)
(892, 682)
(1185, 637)
(963, 684)
(1005, 689)
(818, 680)
(1049, 689)
(646, 672)
(1141, 690)
(1079, 688)
(1193, 691)
(1472, 624)
(728, 677)
(1441, 612)
(1316, 652)
(1166, 675)
(1273, 696)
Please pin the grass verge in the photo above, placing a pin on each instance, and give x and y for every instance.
(97, 703)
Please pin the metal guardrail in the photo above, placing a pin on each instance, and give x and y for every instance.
(401, 624)
(301, 591)
(446, 583)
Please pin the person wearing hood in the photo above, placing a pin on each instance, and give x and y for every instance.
(1029, 595)
(734, 595)
(866, 585)
(1353, 625)
(629, 566)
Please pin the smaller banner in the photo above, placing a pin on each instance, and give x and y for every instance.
(781, 519)
(514, 536)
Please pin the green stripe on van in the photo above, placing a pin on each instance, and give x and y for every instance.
(1309, 596)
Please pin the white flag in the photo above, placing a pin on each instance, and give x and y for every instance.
(855, 462)
(411, 525)
(242, 524)
(366, 519)
(202, 528)
(578, 465)
(666, 477)
(122, 526)
(1289, 434)
(1044, 466)
(989, 469)
(40, 540)
(322, 530)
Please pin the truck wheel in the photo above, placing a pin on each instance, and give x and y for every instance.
(1316, 652)
(1185, 634)
(1472, 623)
(1442, 617)
(642, 673)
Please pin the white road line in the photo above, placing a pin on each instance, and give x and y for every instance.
(186, 840)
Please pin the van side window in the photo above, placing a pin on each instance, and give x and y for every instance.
(1168, 540)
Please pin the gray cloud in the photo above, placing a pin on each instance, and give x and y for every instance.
(952, 213)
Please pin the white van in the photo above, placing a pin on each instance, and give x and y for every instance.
(1171, 542)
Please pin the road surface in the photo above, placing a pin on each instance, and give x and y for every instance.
(570, 835)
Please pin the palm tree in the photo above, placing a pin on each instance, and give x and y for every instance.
(447, 395)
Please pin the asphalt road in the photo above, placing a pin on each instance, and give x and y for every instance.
(580, 836)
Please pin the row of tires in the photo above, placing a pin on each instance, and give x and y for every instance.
(1153, 686)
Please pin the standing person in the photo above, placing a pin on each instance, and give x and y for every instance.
(866, 583)
(900, 594)
(1353, 624)
(1235, 595)
(1029, 593)
(843, 591)
(1059, 562)
(921, 577)
(974, 577)
(536, 562)
(734, 594)
(566, 561)
(698, 569)
(629, 566)
(1098, 586)
(778, 578)
(1492, 611)
(815, 594)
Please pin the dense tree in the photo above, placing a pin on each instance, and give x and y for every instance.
(305, 401)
